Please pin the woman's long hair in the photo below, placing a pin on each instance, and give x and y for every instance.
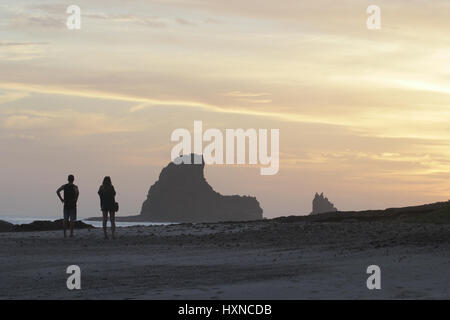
(107, 182)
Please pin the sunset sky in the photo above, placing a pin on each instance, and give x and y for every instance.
(364, 115)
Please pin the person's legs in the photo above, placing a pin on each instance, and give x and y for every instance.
(73, 218)
(105, 221)
(112, 215)
(72, 223)
(65, 227)
(65, 221)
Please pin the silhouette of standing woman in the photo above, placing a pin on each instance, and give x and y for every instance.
(108, 205)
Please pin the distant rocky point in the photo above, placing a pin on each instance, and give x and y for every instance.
(321, 204)
(438, 212)
(182, 194)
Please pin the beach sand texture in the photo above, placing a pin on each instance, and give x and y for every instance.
(247, 260)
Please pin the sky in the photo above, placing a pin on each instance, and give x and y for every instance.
(363, 114)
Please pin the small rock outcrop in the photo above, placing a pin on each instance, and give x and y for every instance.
(40, 225)
(5, 226)
(182, 194)
(321, 204)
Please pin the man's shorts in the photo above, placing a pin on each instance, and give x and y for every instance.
(70, 214)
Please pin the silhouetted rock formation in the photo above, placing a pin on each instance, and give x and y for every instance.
(182, 195)
(321, 204)
(40, 226)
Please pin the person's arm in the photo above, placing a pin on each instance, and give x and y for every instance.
(114, 191)
(58, 193)
(77, 193)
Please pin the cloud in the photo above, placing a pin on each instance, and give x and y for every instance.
(21, 44)
(185, 22)
(154, 22)
(20, 51)
(12, 96)
(25, 137)
(366, 122)
(249, 97)
(66, 122)
(54, 16)
(27, 121)
(146, 101)
(139, 107)
(29, 21)
(257, 101)
(48, 8)
(240, 94)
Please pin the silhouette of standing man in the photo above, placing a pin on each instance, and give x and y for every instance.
(70, 199)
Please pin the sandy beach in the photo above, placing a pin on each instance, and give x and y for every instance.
(246, 260)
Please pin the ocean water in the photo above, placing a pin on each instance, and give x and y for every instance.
(97, 224)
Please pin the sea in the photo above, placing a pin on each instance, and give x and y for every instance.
(97, 224)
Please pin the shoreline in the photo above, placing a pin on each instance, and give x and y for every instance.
(95, 223)
(438, 212)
